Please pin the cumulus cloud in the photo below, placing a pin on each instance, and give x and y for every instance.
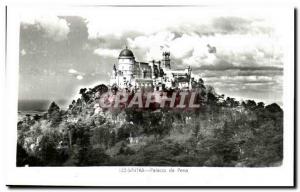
(231, 24)
(107, 52)
(242, 40)
(79, 77)
(76, 74)
(254, 87)
(252, 78)
(188, 20)
(123, 21)
(244, 53)
(72, 71)
(234, 50)
(248, 52)
(53, 27)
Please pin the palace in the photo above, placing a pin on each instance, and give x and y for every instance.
(155, 75)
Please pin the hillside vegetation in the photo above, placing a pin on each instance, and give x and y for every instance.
(222, 132)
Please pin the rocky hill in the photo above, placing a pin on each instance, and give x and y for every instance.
(222, 132)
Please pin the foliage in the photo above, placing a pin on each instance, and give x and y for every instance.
(223, 132)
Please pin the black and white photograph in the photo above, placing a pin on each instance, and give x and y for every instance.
(153, 90)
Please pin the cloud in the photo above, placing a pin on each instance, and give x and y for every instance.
(79, 77)
(23, 52)
(248, 54)
(76, 74)
(253, 87)
(179, 20)
(231, 24)
(53, 27)
(234, 50)
(241, 81)
(72, 71)
(240, 40)
(251, 78)
(107, 52)
(239, 72)
(123, 21)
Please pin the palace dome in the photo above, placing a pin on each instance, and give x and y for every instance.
(126, 53)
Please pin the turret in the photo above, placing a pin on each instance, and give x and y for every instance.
(166, 62)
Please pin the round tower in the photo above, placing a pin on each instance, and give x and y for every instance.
(126, 63)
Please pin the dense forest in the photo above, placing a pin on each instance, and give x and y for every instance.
(222, 132)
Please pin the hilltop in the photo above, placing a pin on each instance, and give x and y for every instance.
(222, 132)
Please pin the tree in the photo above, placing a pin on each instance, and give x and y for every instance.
(23, 158)
(160, 153)
(212, 99)
(250, 104)
(135, 116)
(80, 143)
(260, 105)
(231, 102)
(54, 114)
(37, 117)
(126, 131)
(200, 81)
(225, 147)
(100, 88)
(53, 108)
(273, 108)
(153, 123)
(82, 91)
(47, 150)
(95, 157)
(84, 95)
(56, 118)
(112, 138)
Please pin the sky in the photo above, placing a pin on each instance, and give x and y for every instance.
(59, 54)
